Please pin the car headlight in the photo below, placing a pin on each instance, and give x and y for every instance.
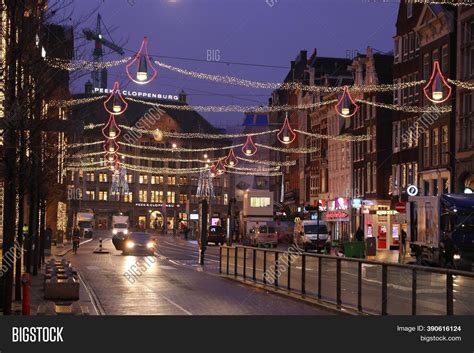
(457, 257)
(125, 231)
(150, 245)
(114, 231)
(130, 244)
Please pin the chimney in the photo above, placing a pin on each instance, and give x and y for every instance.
(88, 87)
(182, 96)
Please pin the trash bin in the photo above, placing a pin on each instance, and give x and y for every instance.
(371, 247)
(354, 249)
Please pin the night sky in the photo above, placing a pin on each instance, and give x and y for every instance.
(244, 31)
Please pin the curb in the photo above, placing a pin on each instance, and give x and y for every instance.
(90, 291)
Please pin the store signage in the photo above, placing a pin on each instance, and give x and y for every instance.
(356, 203)
(386, 212)
(137, 94)
(194, 216)
(155, 205)
(336, 214)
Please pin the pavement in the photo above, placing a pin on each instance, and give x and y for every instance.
(172, 283)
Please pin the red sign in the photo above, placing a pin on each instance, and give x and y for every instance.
(336, 214)
(401, 207)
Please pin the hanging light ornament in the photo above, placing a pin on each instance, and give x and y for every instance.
(437, 90)
(115, 104)
(111, 130)
(213, 171)
(111, 157)
(220, 169)
(249, 147)
(142, 59)
(346, 107)
(111, 146)
(286, 134)
(231, 159)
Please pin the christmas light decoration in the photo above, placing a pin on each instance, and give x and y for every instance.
(119, 183)
(346, 106)
(111, 129)
(115, 104)
(288, 150)
(265, 162)
(437, 90)
(234, 108)
(213, 171)
(286, 134)
(231, 159)
(344, 138)
(178, 149)
(249, 148)
(409, 108)
(205, 185)
(164, 159)
(71, 102)
(143, 62)
(162, 170)
(254, 173)
(85, 155)
(111, 146)
(220, 169)
(85, 144)
(72, 65)
(257, 170)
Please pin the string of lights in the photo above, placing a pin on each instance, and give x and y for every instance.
(84, 169)
(85, 144)
(443, 2)
(92, 126)
(254, 173)
(234, 108)
(288, 150)
(265, 162)
(73, 65)
(197, 135)
(85, 164)
(232, 80)
(178, 149)
(87, 155)
(162, 159)
(257, 170)
(409, 108)
(71, 102)
(162, 170)
(343, 138)
(465, 85)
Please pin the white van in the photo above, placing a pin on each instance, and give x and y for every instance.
(264, 234)
(312, 235)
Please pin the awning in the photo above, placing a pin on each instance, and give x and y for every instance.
(458, 203)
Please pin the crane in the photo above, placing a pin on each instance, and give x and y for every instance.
(99, 76)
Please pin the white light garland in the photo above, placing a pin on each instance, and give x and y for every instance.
(265, 162)
(343, 138)
(72, 65)
(409, 108)
(179, 149)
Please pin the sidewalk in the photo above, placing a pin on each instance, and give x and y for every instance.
(41, 306)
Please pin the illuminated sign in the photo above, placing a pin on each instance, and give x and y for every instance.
(155, 205)
(171, 97)
(194, 216)
(386, 212)
(412, 190)
(336, 214)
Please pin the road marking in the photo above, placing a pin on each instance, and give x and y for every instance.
(92, 267)
(175, 304)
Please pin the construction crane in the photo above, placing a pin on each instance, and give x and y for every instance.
(99, 76)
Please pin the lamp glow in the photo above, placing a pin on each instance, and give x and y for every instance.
(437, 90)
(346, 106)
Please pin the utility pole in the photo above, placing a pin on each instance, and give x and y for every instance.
(203, 231)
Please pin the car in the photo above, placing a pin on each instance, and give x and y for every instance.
(216, 235)
(312, 235)
(139, 243)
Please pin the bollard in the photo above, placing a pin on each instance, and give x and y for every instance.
(100, 244)
(25, 282)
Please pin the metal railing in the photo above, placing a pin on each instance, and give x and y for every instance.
(371, 287)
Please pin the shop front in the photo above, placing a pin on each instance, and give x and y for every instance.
(338, 218)
(378, 218)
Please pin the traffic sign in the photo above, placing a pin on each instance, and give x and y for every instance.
(412, 190)
(401, 207)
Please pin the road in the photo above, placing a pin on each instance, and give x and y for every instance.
(171, 283)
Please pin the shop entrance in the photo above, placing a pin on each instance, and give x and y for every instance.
(156, 220)
(382, 237)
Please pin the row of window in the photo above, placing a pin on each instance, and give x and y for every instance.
(365, 179)
(403, 175)
(406, 47)
(154, 196)
(406, 133)
(435, 147)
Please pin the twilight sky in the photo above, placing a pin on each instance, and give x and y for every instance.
(181, 32)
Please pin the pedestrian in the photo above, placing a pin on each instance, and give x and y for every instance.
(75, 240)
(404, 242)
(186, 232)
(448, 247)
(359, 234)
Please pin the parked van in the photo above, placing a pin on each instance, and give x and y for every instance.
(263, 235)
(312, 235)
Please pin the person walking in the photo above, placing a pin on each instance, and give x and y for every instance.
(359, 234)
(75, 240)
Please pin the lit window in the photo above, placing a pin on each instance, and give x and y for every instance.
(90, 194)
(156, 196)
(170, 197)
(171, 180)
(143, 195)
(143, 179)
(183, 198)
(259, 201)
(129, 178)
(90, 176)
(103, 177)
(103, 195)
